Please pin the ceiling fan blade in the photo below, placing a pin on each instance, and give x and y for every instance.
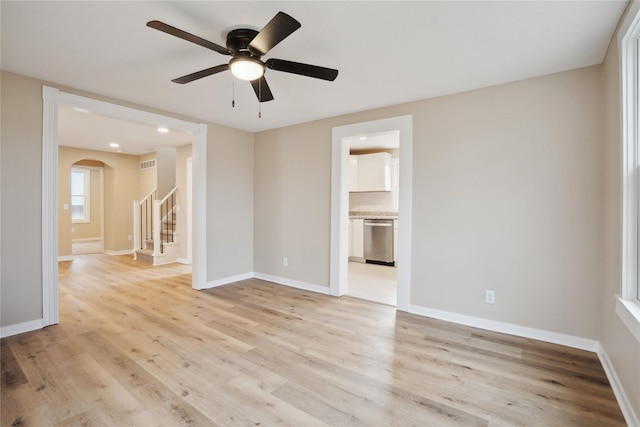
(200, 74)
(302, 69)
(261, 88)
(166, 28)
(276, 30)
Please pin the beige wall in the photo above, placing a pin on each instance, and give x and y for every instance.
(147, 178)
(229, 202)
(120, 189)
(229, 152)
(293, 202)
(507, 196)
(165, 170)
(621, 347)
(21, 221)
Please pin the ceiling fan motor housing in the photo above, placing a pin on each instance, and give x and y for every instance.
(238, 41)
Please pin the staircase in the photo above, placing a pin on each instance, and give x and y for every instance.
(156, 245)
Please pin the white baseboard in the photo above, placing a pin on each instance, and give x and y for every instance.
(65, 258)
(20, 328)
(275, 279)
(293, 283)
(227, 280)
(184, 261)
(629, 414)
(124, 252)
(86, 239)
(509, 328)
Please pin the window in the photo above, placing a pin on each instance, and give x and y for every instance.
(628, 302)
(80, 184)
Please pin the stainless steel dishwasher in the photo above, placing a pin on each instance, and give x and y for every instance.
(378, 241)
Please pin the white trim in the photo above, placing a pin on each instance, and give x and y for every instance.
(123, 252)
(199, 209)
(629, 312)
(631, 418)
(630, 185)
(509, 328)
(189, 210)
(269, 278)
(228, 280)
(52, 97)
(49, 205)
(293, 283)
(21, 328)
(86, 239)
(65, 258)
(183, 261)
(338, 278)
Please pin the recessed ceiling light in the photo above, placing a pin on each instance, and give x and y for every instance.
(114, 145)
(163, 130)
(80, 110)
(363, 138)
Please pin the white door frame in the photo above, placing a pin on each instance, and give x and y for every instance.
(189, 209)
(52, 97)
(339, 267)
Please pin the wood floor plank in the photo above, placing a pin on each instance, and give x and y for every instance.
(136, 345)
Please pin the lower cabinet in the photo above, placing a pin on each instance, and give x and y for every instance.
(356, 238)
(395, 240)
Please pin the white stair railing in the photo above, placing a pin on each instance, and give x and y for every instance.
(161, 211)
(142, 220)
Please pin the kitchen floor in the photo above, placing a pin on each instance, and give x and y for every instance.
(373, 282)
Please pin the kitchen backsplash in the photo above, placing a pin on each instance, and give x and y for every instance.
(375, 201)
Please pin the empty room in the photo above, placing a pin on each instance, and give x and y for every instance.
(320, 213)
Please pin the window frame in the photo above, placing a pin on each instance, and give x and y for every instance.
(87, 196)
(628, 302)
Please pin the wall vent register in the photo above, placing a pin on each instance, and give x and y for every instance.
(148, 164)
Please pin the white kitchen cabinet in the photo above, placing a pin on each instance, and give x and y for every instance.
(373, 172)
(353, 173)
(356, 238)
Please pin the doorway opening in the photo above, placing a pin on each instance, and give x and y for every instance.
(373, 216)
(342, 139)
(52, 98)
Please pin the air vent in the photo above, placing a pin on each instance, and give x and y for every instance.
(149, 164)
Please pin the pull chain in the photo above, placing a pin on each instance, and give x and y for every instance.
(260, 98)
(233, 93)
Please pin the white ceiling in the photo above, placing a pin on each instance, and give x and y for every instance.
(387, 52)
(85, 129)
(379, 141)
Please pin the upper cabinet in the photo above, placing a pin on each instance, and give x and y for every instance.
(353, 173)
(373, 172)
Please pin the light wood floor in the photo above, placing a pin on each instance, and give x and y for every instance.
(138, 346)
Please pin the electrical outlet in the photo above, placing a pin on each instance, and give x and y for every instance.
(285, 261)
(490, 297)
(129, 237)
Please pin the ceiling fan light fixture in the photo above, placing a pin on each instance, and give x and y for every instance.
(246, 68)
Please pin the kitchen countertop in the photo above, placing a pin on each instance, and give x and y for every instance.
(373, 214)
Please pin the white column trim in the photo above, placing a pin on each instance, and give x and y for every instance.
(199, 209)
(50, 98)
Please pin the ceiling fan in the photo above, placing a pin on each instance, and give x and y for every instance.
(246, 47)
